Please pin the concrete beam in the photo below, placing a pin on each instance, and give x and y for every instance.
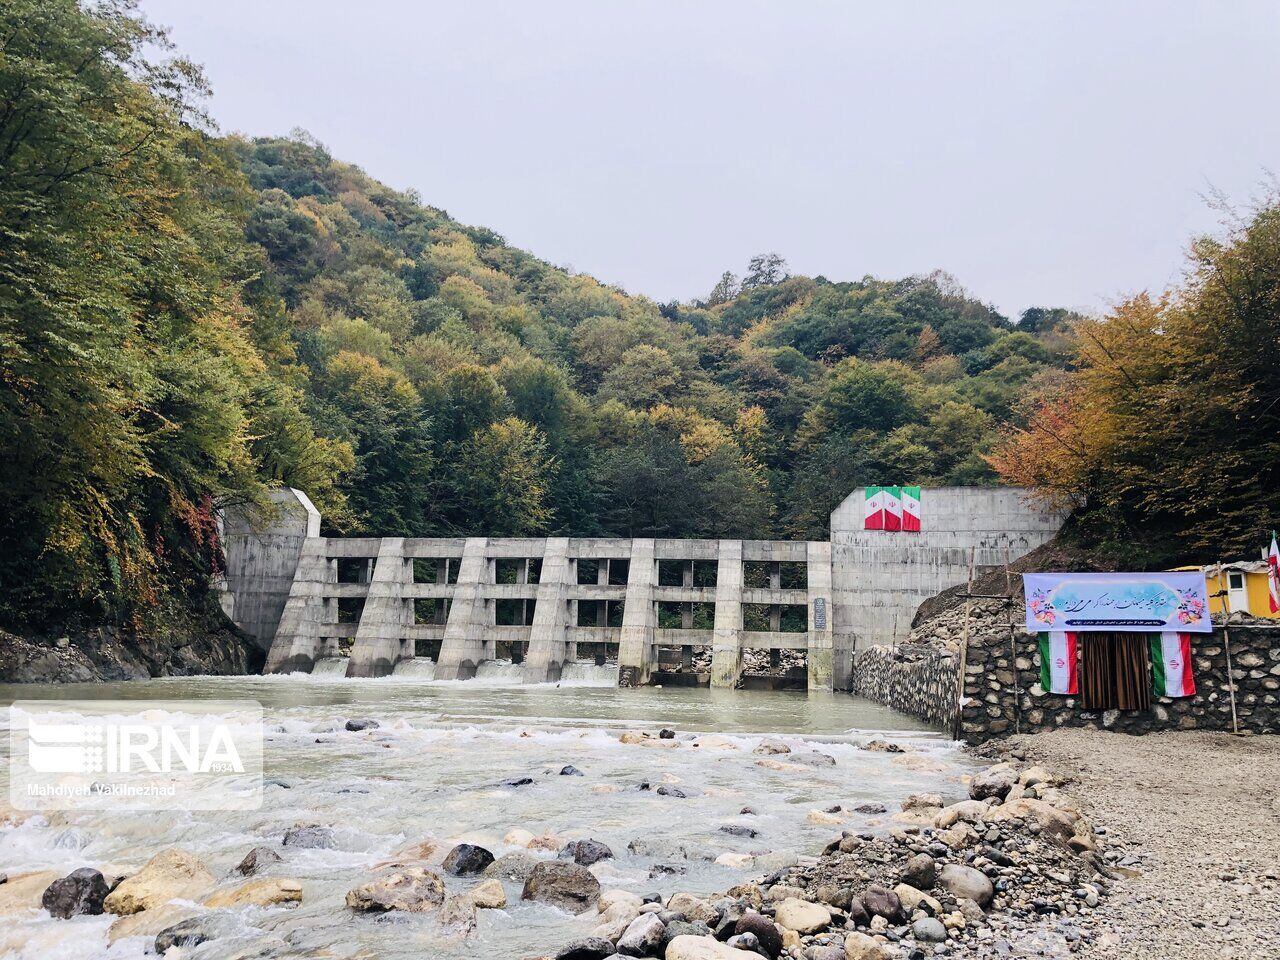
(298, 637)
(726, 635)
(635, 648)
(381, 640)
(821, 655)
(463, 646)
(548, 635)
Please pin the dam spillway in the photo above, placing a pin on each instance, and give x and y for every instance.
(534, 608)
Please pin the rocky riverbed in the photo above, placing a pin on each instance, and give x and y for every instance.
(1012, 869)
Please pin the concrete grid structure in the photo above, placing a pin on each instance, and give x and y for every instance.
(544, 602)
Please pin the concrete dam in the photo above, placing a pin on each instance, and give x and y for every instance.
(654, 610)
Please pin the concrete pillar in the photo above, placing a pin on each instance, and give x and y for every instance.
(297, 641)
(547, 636)
(726, 637)
(261, 549)
(380, 637)
(635, 649)
(821, 665)
(464, 635)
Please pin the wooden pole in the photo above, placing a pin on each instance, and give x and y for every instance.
(1226, 645)
(1013, 647)
(964, 644)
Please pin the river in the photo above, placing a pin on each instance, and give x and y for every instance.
(433, 770)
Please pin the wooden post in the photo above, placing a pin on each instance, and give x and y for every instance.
(1226, 645)
(964, 644)
(1013, 647)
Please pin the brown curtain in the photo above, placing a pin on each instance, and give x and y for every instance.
(1114, 672)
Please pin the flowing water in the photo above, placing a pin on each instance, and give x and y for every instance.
(434, 770)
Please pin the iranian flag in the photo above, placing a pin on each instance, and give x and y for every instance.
(1058, 662)
(1273, 574)
(911, 509)
(1171, 665)
(877, 504)
(893, 508)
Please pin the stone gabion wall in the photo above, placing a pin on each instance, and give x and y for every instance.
(1003, 692)
(921, 684)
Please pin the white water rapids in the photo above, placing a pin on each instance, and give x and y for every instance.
(433, 770)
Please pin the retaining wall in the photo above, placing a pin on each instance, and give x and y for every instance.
(924, 688)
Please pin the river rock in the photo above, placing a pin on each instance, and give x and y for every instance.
(705, 948)
(683, 928)
(994, 782)
(859, 946)
(458, 916)
(693, 908)
(929, 930)
(413, 889)
(356, 725)
(858, 913)
(257, 859)
(565, 885)
(489, 895)
(148, 923)
(643, 937)
(466, 859)
(814, 759)
(882, 902)
(263, 892)
(310, 836)
(968, 811)
(739, 830)
(771, 747)
(186, 933)
(172, 874)
(515, 866)
(766, 933)
(590, 948)
(586, 852)
(1057, 823)
(801, 916)
(920, 871)
(872, 809)
(79, 893)
(961, 881)
(569, 770)
(913, 899)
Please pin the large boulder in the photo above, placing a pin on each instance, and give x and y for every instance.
(693, 908)
(929, 930)
(966, 882)
(489, 895)
(1056, 823)
(311, 836)
(859, 946)
(458, 917)
(25, 891)
(967, 811)
(764, 929)
(920, 871)
(172, 874)
(643, 937)
(913, 899)
(565, 885)
(148, 923)
(586, 852)
(187, 933)
(413, 889)
(882, 902)
(515, 866)
(466, 859)
(590, 948)
(262, 892)
(994, 782)
(801, 916)
(705, 948)
(79, 893)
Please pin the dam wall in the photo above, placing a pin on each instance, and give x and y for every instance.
(653, 606)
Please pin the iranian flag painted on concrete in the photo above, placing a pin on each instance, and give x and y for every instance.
(911, 509)
(1058, 662)
(1171, 665)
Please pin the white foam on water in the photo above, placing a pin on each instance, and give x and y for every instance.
(500, 672)
(582, 674)
(419, 668)
(330, 667)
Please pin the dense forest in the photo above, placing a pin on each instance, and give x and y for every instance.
(187, 319)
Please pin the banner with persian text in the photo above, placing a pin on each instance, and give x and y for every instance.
(1124, 602)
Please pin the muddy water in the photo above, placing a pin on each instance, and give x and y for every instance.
(434, 770)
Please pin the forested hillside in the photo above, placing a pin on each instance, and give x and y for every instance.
(187, 318)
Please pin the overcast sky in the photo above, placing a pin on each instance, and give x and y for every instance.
(1044, 154)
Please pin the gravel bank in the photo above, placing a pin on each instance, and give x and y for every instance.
(1199, 816)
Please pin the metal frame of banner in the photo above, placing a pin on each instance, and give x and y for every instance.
(1226, 645)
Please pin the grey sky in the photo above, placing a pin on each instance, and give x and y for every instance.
(1044, 154)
